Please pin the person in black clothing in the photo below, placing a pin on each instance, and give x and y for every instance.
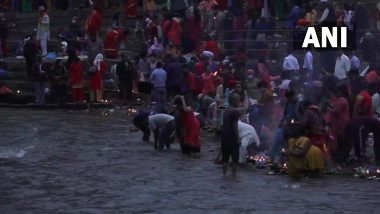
(230, 141)
(57, 79)
(125, 71)
(328, 18)
(62, 4)
(30, 51)
(369, 46)
(3, 37)
(40, 80)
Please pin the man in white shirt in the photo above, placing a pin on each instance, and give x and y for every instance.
(290, 63)
(291, 66)
(162, 125)
(308, 65)
(342, 66)
(248, 136)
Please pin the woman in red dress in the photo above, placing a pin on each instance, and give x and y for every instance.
(96, 81)
(192, 32)
(337, 117)
(76, 80)
(172, 31)
(190, 127)
(208, 83)
(94, 22)
(131, 8)
(111, 45)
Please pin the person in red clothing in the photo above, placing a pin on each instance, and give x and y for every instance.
(76, 80)
(191, 82)
(94, 22)
(363, 103)
(222, 4)
(111, 45)
(212, 46)
(372, 76)
(337, 117)
(192, 32)
(208, 83)
(172, 31)
(96, 81)
(190, 127)
(131, 8)
(151, 30)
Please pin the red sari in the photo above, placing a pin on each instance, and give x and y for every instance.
(191, 129)
(172, 31)
(337, 117)
(212, 46)
(96, 81)
(111, 45)
(131, 8)
(200, 68)
(208, 84)
(76, 79)
(94, 22)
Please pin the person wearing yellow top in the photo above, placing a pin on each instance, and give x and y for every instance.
(304, 158)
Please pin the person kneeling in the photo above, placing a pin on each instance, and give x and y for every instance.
(304, 158)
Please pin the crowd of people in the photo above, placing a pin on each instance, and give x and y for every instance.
(209, 64)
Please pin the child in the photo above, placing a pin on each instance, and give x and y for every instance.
(230, 142)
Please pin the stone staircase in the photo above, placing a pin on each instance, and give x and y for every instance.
(16, 75)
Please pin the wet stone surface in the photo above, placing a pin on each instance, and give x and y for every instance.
(85, 162)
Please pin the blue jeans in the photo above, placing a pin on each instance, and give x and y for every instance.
(40, 88)
(160, 98)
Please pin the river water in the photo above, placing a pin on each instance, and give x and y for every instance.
(84, 162)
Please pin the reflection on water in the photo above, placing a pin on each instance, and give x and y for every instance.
(85, 162)
(11, 153)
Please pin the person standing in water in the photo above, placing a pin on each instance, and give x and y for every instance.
(230, 142)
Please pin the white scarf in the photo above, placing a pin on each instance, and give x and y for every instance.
(97, 61)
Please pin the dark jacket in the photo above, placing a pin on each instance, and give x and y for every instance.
(175, 73)
(178, 5)
(125, 71)
(30, 49)
(3, 30)
(370, 48)
(40, 72)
